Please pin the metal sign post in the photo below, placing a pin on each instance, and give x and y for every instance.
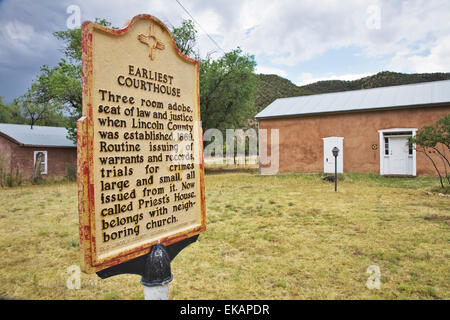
(154, 268)
(157, 274)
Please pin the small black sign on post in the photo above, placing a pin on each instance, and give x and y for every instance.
(335, 154)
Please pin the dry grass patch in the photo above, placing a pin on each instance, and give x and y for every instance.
(268, 237)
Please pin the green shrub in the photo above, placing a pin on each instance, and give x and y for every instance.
(71, 173)
(3, 173)
(14, 179)
(9, 177)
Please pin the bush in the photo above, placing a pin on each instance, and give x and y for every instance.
(71, 173)
(14, 179)
(3, 173)
(435, 141)
(37, 179)
(11, 178)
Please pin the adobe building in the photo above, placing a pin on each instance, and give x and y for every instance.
(21, 147)
(370, 127)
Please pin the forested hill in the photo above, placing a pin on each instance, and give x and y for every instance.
(272, 87)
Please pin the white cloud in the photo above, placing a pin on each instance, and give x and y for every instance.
(437, 60)
(271, 70)
(210, 21)
(293, 32)
(21, 40)
(307, 78)
(409, 36)
(18, 31)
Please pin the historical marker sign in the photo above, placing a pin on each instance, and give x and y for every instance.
(140, 168)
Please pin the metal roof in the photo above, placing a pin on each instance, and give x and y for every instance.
(425, 93)
(38, 136)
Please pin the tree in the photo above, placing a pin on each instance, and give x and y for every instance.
(5, 115)
(227, 85)
(25, 110)
(60, 86)
(434, 142)
(40, 104)
(33, 111)
(185, 37)
(227, 89)
(38, 109)
(11, 113)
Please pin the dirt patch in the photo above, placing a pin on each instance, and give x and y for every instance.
(222, 170)
(445, 219)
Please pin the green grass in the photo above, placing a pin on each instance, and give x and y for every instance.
(268, 237)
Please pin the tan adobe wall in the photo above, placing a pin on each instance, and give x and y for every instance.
(301, 144)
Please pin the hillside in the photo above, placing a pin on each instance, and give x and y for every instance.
(272, 87)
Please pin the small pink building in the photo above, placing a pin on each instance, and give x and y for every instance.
(21, 146)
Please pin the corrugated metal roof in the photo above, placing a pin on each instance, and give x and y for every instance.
(38, 136)
(385, 97)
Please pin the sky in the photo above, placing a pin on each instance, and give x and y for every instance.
(301, 40)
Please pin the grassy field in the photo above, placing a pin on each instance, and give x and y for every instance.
(268, 237)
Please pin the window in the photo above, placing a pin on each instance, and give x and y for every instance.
(396, 134)
(386, 146)
(40, 162)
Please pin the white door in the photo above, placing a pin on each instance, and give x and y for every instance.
(398, 155)
(328, 158)
(395, 155)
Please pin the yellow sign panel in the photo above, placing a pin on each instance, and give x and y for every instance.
(140, 162)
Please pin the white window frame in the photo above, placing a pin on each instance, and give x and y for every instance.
(381, 144)
(45, 162)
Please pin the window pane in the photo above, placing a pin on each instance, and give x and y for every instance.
(40, 162)
(386, 146)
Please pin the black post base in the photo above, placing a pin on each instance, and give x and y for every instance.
(137, 265)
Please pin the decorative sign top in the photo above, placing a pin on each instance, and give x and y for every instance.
(151, 41)
(140, 170)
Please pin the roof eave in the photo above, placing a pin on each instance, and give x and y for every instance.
(11, 139)
(8, 137)
(353, 110)
(32, 145)
(47, 146)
